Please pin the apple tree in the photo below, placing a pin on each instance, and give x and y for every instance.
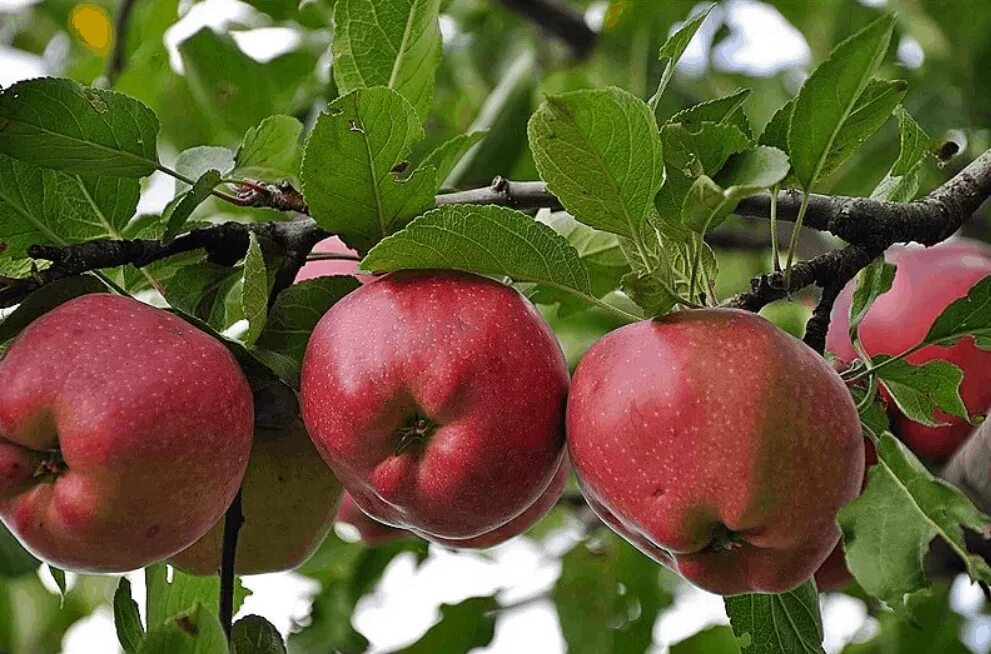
(457, 272)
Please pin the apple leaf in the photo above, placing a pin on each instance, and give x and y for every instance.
(709, 202)
(196, 162)
(58, 575)
(600, 154)
(828, 98)
(61, 124)
(391, 43)
(254, 291)
(44, 300)
(872, 282)
(271, 151)
(462, 628)
(196, 631)
(901, 183)
(296, 312)
(127, 621)
(785, 623)
(968, 316)
(349, 165)
(727, 109)
(178, 211)
(775, 133)
(254, 634)
(873, 414)
(15, 561)
(888, 529)
(39, 206)
(672, 50)
(937, 628)
(446, 156)
(168, 599)
(919, 391)
(489, 240)
(205, 290)
(714, 640)
(606, 581)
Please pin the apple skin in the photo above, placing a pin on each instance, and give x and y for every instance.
(719, 445)
(373, 533)
(927, 281)
(288, 500)
(152, 418)
(322, 268)
(437, 398)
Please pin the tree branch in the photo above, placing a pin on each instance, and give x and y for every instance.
(228, 555)
(559, 20)
(115, 62)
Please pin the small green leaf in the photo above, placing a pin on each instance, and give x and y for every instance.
(919, 391)
(271, 151)
(59, 576)
(194, 632)
(447, 155)
(391, 43)
(197, 161)
(462, 628)
(901, 184)
(872, 282)
(872, 110)
(829, 96)
(489, 240)
(15, 561)
(968, 316)
(61, 124)
(349, 163)
(775, 133)
(672, 50)
(714, 640)
(600, 154)
(652, 293)
(785, 623)
(127, 621)
(205, 290)
(296, 312)
(168, 599)
(178, 211)
(254, 291)
(888, 529)
(727, 109)
(254, 634)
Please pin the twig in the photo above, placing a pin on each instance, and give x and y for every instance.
(818, 325)
(559, 20)
(228, 555)
(115, 62)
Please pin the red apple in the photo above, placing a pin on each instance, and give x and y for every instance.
(324, 267)
(288, 500)
(717, 444)
(927, 281)
(124, 434)
(437, 398)
(373, 533)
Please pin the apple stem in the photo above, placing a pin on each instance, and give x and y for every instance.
(724, 539)
(232, 525)
(415, 432)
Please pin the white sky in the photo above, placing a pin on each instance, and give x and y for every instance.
(405, 604)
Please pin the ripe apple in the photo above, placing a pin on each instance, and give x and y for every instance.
(437, 398)
(926, 282)
(324, 267)
(373, 533)
(288, 500)
(124, 434)
(719, 445)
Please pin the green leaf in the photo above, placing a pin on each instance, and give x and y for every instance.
(775, 133)
(254, 634)
(785, 623)
(254, 291)
(709, 203)
(45, 299)
(727, 109)
(447, 155)
(888, 529)
(901, 184)
(873, 414)
(59, 576)
(205, 290)
(654, 294)
(195, 632)
(127, 621)
(600, 154)
(462, 628)
(872, 282)
(714, 640)
(391, 43)
(970, 315)
(15, 561)
(61, 124)
(672, 50)
(40, 206)
(919, 391)
(168, 599)
(348, 164)
(608, 597)
(872, 110)
(272, 151)
(937, 628)
(178, 211)
(829, 96)
(489, 240)
(199, 160)
(296, 312)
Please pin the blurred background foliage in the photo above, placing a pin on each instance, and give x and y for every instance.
(272, 56)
